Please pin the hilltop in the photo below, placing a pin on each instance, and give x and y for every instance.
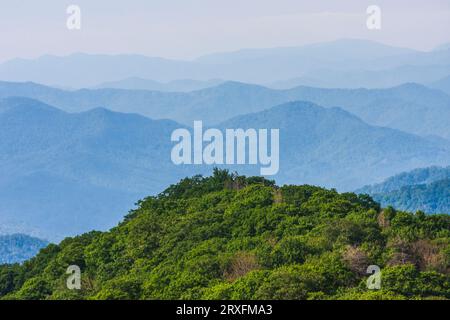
(235, 237)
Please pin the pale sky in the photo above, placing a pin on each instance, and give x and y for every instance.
(185, 29)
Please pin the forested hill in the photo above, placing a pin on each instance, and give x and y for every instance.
(414, 177)
(430, 198)
(233, 237)
(425, 189)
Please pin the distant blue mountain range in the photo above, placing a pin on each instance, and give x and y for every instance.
(65, 173)
(17, 248)
(428, 198)
(425, 189)
(351, 113)
(411, 107)
(343, 63)
(411, 178)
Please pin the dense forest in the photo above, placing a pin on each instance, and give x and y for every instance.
(234, 237)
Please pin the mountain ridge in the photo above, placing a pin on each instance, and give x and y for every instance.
(87, 70)
(61, 162)
(425, 189)
(432, 198)
(412, 108)
(414, 177)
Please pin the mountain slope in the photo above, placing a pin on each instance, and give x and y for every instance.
(414, 177)
(210, 105)
(17, 248)
(62, 173)
(232, 237)
(250, 65)
(333, 148)
(58, 169)
(411, 107)
(429, 198)
(425, 189)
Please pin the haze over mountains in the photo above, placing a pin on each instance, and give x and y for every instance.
(333, 148)
(411, 108)
(414, 177)
(425, 189)
(442, 84)
(66, 173)
(429, 198)
(151, 85)
(17, 248)
(343, 63)
(73, 160)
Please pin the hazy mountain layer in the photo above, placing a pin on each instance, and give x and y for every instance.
(19, 247)
(58, 169)
(442, 84)
(414, 177)
(429, 198)
(333, 148)
(184, 85)
(411, 107)
(66, 173)
(342, 63)
(425, 189)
